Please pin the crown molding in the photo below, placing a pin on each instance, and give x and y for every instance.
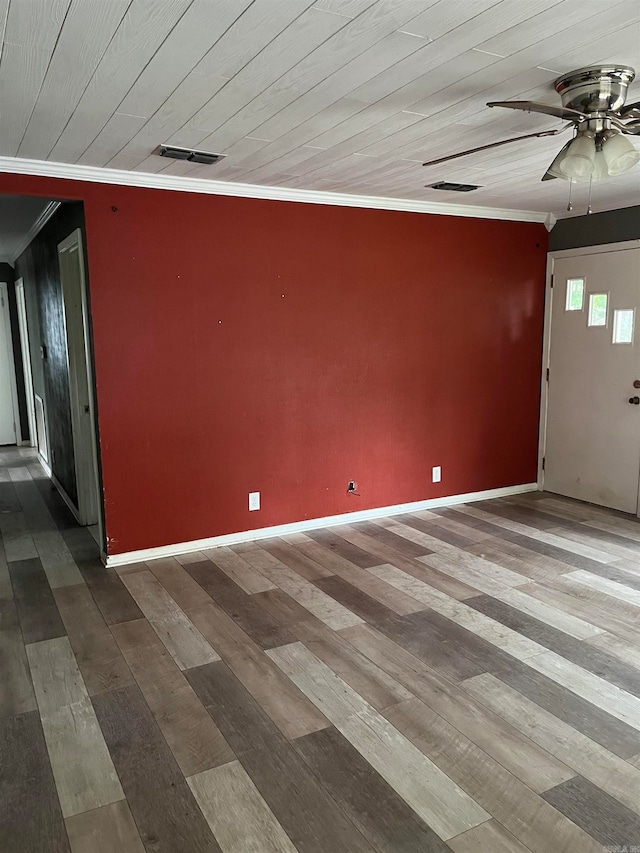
(178, 183)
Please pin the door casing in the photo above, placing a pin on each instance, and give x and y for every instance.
(5, 319)
(82, 384)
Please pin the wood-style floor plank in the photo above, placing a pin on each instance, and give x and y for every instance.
(367, 679)
(528, 563)
(585, 608)
(193, 737)
(606, 586)
(30, 816)
(620, 704)
(530, 763)
(552, 616)
(37, 610)
(112, 597)
(355, 599)
(475, 571)
(382, 816)
(109, 829)
(332, 541)
(309, 816)
(612, 774)
(236, 812)
(242, 607)
(490, 837)
(282, 701)
(295, 559)
(59, 565)
(573, 651)
(459, 612)
(355, 575)
(314, 599)
(239, 570)
(388, 537)
(626, 652)
(532, 821)
(600, 815)
(16, 537)
(184, 642)
(83, 770)
(430, 793)
(162, 805)
(603, 728)
(100, 661)
(412, 566)
(436, 533)
(16, 689)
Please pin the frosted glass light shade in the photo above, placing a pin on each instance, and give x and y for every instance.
(600, 169)
(578, 161)
(554, 168)
(619, 154)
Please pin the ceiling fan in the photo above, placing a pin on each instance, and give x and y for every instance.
(593, 101)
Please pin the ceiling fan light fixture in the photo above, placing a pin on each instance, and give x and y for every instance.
(619, 154)
(554, 169)
(579, 158)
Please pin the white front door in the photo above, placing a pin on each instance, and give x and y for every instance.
(8, 422)
(592, 447)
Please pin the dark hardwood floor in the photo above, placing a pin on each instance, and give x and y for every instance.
(464, 679)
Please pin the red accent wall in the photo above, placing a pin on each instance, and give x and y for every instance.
(246, 345)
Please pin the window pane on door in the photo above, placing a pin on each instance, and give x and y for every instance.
(575, 294)
(623, 323)
(598, 309)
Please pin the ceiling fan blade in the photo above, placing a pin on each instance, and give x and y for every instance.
(632, 110)
(533, 107)
(492, 145)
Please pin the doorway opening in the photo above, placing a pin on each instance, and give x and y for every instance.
(51, 379)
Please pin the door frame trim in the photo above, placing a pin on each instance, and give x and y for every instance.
(25, 351)
(74, 241)
(5, 311)
(600, 249)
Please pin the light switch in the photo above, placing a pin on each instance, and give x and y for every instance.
(436, 474)
(254, 501)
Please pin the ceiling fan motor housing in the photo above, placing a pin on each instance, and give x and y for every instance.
(595, 89)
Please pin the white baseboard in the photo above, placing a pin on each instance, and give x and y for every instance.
(309, 524)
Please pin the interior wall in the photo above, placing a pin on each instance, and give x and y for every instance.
(38, 266)
(595, 229)
(247, 345)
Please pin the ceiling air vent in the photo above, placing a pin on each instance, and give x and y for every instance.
(449, 186)
(176, 153)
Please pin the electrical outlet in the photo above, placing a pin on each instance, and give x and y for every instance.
(436, 474)
(254, 501)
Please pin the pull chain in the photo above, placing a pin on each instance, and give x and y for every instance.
(589, 208)
(569, 205)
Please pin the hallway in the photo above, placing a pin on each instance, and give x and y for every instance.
(464, 679)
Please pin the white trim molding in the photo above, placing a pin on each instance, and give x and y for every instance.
(309, 524)
(75, 172)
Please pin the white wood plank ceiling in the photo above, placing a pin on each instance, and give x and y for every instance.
(338, 95)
